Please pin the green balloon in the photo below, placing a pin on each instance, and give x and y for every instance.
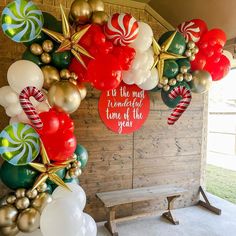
(171, 68)
(39, 39)
(60, 173)
(156, 89)
(75, 180)
(178, 44)
(172, 102)
(184, 62)
(51, 22)
(61, 60)
(15, 177)
(28, 55)
(82, 155)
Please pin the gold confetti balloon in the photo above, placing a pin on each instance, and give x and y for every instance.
(46, 58)
(47, 46)
(80, 12)
(36, 49)
(65, 96)
(96, 5)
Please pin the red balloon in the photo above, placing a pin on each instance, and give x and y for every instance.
(199, 62)
(215, 36)
(218, 70)
(50, 122)
(104, 72)
(66, 123)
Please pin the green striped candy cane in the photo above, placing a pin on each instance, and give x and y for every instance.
(22, 21)
(19, 144)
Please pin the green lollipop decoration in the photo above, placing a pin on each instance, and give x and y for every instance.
(22, 21)
(19, 144)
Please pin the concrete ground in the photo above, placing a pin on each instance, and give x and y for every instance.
(222, 160)
(194, 221)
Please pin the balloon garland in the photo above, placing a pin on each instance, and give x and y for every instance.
(39, 146)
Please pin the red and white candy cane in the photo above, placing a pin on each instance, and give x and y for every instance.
(28, 107)
(182, 105)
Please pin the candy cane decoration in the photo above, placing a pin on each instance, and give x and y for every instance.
(28, 107)
(182, 105)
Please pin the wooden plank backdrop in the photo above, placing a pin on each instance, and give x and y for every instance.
(156, 154)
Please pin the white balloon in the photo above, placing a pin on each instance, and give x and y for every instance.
(13, 110)
(128, 77)
(35, 233)
(24, 73)
(23, 118)
(14, 120)
(43, 106)
(89, 225)
(77, 193)
(7, 96)
(62, 217)
(144, 39)
(140, 76)
(151, 82)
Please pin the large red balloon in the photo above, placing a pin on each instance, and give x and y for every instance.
(215, 36)
(199, 62)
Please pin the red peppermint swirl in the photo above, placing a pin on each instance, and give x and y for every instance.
(121, 29)
(190, 31)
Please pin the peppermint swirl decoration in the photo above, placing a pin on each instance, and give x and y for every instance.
(19, 144)
(190, 31)
(22, 21)
(122, 29)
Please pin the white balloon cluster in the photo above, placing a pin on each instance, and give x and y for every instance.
(140, 72)
(64, 215)
(21, 74)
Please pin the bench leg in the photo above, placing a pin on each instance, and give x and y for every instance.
(111, 224)
(168, 215)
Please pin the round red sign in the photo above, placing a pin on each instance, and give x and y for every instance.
(124, 109)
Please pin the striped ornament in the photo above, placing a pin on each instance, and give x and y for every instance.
(28, 107)
(19, 144)
(190, 31)
(122, 29)
(182, 105)
(22, 21)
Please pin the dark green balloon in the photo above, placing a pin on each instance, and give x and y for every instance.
(75, 180)
(15, 177)
(177, 46)
(39, 39)
(171, 69)
(165, 95)
(28, 55)
(61, 60)
(51, 22)
(184, 62)
(60, 173)
(82, 155)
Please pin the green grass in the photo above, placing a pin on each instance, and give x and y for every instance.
(221, 182)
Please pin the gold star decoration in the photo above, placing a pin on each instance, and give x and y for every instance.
(161, 54)
(69, 39)
(48, 170)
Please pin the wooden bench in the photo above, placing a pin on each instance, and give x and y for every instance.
(116, 198)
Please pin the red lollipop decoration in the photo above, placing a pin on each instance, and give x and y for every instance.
(193, 30)
(121, 29)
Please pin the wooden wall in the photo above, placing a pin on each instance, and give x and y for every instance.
(156, 154)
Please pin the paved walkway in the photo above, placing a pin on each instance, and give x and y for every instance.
(221, 160)
(194, 221)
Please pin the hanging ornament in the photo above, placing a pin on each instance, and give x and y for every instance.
(122, 29)
(69, 40)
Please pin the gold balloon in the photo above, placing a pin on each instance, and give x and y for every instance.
(41, 201)
(3, 201)
(201, 81)
(20, 192)
(65, 96)
(51, 75)
(22, 203)
(96, 5)
(8, 215)
(47, 46)
(80, 11)
(36, 49)
(11, 199)
(46, 58)
(9, 230)
(31, 194)
(82, 90)
(65, 74)
(99, 17)
(28, 220)
(42, 187)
